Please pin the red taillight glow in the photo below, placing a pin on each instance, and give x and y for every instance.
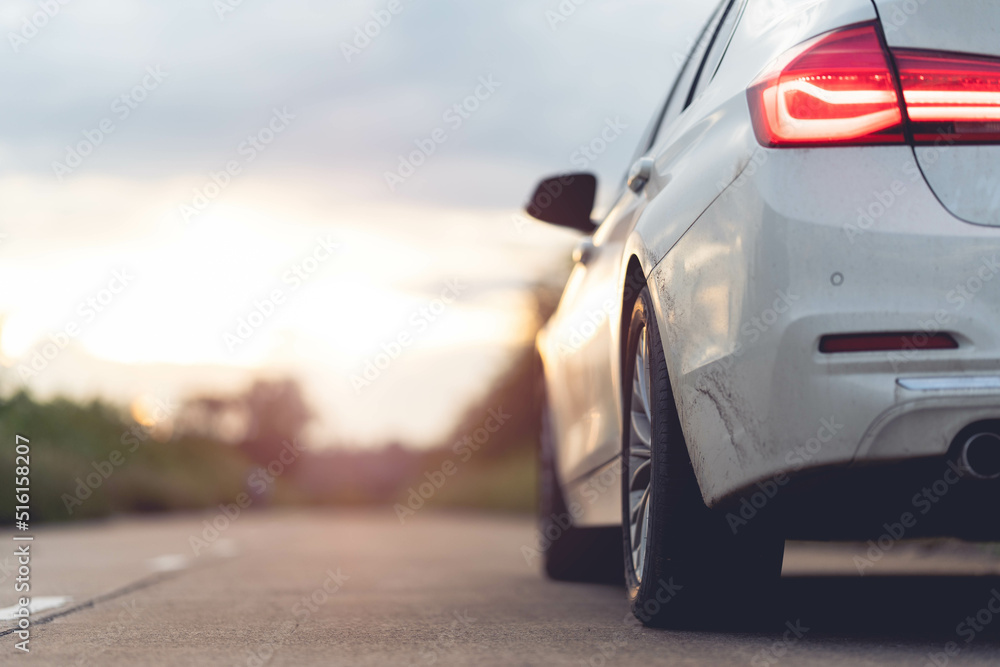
(835, 89)
(886, 342)
(950, 97)
(838, 89)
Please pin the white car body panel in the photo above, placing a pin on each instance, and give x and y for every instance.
(714, 135)
(575, 345)
(970, 26)
(769, 227)
(965, 178)
(765, 390)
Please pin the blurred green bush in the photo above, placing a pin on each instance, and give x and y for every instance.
(74, 452)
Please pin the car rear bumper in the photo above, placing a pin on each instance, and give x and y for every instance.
(909, 499)
(810, 243)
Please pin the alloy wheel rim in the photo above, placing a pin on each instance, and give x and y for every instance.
(640, 457)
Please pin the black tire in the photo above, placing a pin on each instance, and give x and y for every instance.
(695, 571)
(591, 555)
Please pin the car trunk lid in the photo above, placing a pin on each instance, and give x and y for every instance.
(964, 176)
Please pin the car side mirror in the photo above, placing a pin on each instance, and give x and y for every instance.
(566, 201)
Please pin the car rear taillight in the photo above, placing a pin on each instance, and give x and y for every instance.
(950, 97)
(835, 89)
(839, 89)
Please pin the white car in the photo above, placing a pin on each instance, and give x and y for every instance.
(788, 325)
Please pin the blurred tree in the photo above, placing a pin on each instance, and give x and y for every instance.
(260, 421)
(277, 414)
(214, 417)
(518, 391)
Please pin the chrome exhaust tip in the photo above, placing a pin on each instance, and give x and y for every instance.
(980, 455)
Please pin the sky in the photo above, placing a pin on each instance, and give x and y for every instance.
(197, 193)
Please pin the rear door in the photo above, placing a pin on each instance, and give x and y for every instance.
(958, 147)
(587, 416)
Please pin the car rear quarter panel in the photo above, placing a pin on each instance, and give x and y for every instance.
(813, 242)
(712, 142)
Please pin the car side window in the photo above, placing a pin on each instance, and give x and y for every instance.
(682, 95)
(717, 49)
(679, 93)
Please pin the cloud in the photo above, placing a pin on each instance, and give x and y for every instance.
(610, 60)
(225, 76)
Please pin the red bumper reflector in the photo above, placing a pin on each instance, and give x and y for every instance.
(886, 342)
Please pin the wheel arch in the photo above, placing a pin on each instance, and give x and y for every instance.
(637, 277)
(634, 279)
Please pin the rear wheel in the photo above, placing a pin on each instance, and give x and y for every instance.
(684, 567)
(571, 553)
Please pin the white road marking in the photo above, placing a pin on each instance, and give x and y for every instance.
(225, 548)
(38, 604)
(168, 563)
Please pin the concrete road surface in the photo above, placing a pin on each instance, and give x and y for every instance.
(362, 589)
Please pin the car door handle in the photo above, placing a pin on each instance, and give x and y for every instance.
(584, 251)
(640, 174)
